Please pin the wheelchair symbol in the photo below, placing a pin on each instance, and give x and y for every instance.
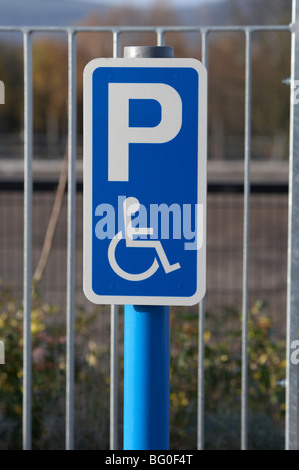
(130, 206)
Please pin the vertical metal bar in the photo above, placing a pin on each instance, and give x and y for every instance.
(116, 44)
(246, 224)
(160, 37)
(201, 325)
(71, 239)
(114, 332)
(291, 437)
(28, 151)
(200, 375)
(114, 378)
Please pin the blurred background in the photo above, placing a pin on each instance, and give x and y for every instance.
(268, 229)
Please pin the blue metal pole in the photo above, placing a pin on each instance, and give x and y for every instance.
(146, 377)
(146, 352)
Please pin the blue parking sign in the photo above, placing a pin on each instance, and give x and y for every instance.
(145, 126)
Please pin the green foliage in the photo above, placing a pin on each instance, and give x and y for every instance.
(222, 370)
(222, 379)
(49, 377)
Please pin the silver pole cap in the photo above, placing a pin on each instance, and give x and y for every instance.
(147, 52)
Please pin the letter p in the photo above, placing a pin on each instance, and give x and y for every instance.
(120, 134)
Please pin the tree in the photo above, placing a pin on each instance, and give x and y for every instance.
(50, 84)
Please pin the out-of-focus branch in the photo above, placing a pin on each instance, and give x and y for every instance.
(48, 241)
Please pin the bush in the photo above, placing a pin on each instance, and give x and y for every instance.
(222, 364)
(222, 379)
(48, 377)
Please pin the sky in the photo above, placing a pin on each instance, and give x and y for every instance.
(148, 3)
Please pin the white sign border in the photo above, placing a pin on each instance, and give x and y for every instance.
(87, 180)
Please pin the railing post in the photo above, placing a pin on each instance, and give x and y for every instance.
(201, 318)
(28, 190)
(246, 231)
(114, 320)
(293, 247)
(71, 239)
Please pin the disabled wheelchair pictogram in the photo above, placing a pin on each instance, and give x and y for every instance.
(130, 206)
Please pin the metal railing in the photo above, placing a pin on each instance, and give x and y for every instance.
(291, 425)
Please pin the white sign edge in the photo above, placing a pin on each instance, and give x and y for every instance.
(87, 180)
